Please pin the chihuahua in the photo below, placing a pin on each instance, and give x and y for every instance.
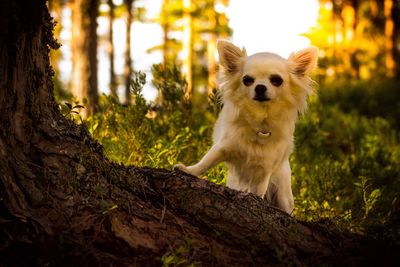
(262, 96)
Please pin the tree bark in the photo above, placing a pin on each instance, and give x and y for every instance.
(84, 54)
(55, 8)
(62, 203)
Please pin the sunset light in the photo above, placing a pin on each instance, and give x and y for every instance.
(257, 25)
(199, 133)
(275, 26)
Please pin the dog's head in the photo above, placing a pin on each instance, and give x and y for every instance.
(266, 78)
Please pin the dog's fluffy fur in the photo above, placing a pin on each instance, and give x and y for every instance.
(262, 96)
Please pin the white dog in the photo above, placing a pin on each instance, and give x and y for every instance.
(262, 97)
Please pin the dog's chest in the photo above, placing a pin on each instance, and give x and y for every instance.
(261, 148)
(253, 137)
(262, 132)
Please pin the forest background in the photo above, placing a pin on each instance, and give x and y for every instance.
(346, 163)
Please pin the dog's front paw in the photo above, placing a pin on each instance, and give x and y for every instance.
(179, 166)
(183, 168)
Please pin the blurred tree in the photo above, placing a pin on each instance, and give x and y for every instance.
(165, 24)
(170, 14)
(192, 28)
(374, 8)
(84, 54)
(217, 28)
(55, 8)
(349, 22)
(390, 48)
(187, 47)
(358, 39)
(169, 45)
(113, 84)
(211, 49)
(128, 59)
(396, 37)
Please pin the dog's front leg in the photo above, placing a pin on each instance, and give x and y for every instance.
(214, 156)
(284, 195)
(261, 187)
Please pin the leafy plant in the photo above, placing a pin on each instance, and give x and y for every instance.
(71, 111)
(344, 167)
(179, 256)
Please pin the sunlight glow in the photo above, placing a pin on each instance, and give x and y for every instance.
(274, 26)
(258, 25)
(118, 2)
(220, 8)
(104, 7)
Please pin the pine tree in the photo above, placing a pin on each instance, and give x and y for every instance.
(84, 54)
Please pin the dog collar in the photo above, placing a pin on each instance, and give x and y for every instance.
(264, 134)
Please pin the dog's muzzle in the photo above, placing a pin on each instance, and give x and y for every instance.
(261, 93)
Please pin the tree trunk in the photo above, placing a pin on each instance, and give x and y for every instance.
(350, 21)
(211, 49)
(62, 203)
(169, 45)
(113, 84)
(187, 47)
(212, 65)
(55, 8)
(396, 38)
(128, 58)
(390, 64)
(374, 8)
(84, 54)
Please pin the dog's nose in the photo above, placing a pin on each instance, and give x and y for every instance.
(260, 89)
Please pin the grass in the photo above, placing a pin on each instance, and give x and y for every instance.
(345, 166)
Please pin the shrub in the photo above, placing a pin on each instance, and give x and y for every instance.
(346, 162)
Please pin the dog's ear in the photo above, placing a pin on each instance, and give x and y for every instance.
(230, 56)
(303, 61)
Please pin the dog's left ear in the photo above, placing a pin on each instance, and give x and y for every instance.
(230, 56)
(303, 61)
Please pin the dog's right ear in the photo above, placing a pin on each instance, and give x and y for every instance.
(230, 56)
(303, 61)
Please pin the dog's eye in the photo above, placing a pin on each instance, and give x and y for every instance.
(248, 80)
(276, 80)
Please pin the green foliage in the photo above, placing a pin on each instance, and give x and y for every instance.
(346, 162)
(158, 135)
(345, 165)
(180, 256)
(367, 98)
(71, 111)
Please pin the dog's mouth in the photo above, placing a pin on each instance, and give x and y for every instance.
(261, 98)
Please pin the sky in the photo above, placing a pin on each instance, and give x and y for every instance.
(258, 25)
(271, 25)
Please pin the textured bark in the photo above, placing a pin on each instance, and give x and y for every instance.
(62, 203)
